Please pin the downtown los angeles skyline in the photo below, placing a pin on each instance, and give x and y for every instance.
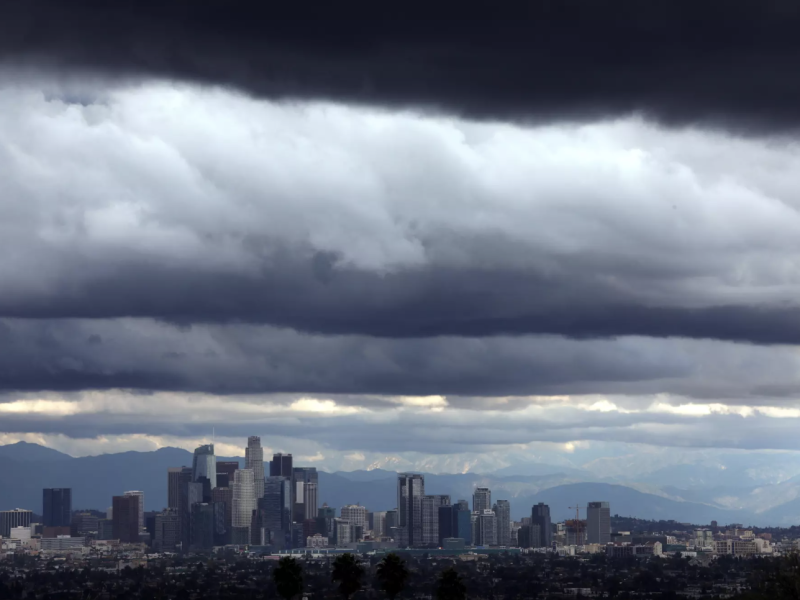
(563, 234)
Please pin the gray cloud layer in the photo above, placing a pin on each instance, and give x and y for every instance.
(720, 61)
(194, 205)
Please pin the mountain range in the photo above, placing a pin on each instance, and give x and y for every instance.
(703, 493)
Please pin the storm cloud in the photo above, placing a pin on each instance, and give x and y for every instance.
(196, 205)
(725, 63)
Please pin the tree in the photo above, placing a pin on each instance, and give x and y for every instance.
(288, 577)
(392, 574)
(348, 573)
(450, 586)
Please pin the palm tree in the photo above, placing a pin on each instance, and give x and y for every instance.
(348, 572)
(392, 574)
(288, 577)
(450, 586)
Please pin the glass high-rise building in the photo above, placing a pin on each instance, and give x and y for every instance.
(204, 464)
(254, 460)
(281, 465)
(540, 516)
(244, 499)
(276, 511)
(304, 496)
(598, 523)
(140, 495)
(410, 490)
(19, 517)
(502, 509)
(430, 518)
(125, 520)
(57, 507)
(481, 500)
(173, 486)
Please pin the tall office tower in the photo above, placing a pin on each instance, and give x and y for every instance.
(281, 465)
(57, 507)
(311, 500)
(379, 524)
(105, 529)
(325, 516)
(224, 496)
(82, 524)
(139, 495)
(167, 534)
(392, 520)
(204, 464)
(227, 467)
(301, 477)
(410, 490)
(244, 499)
(254, 459)
(502, 509)
(485, 528)
(356, 514)
(481, 500)
(189, 492)
(19, 517)
(173, 486)
(202, 524)
(598, 523)
(125, 523)
(540, 516)
(524, 537)
(275, 510)
(429, 508)
(462, 505)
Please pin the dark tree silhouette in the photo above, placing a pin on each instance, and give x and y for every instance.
(392, 575)
(288, 577)
(348, 573)
(450, 586)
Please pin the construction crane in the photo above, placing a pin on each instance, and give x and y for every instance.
(577, 508)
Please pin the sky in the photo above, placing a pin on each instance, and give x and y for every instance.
(473, 241)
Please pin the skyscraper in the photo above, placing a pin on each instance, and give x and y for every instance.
(125, 522)
(189, 492)
(167, 534)
(481, 500)
(140, 495)
(244, 498)
(356, 514)
(598, 523)
(430, 518)
(485, 530)
(281, 465)
(202, 524)
(304, 503)
(502, 509)
(19, 517)
(410, 490)
(57, 507)
(276, 511)
(540, 516)
(173, 486)
(224, 496)
(311, 500)
(204, 464)
(226, 468)
(254, 460)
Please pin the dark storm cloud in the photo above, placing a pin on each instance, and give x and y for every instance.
(723, 62)
(245, 359)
